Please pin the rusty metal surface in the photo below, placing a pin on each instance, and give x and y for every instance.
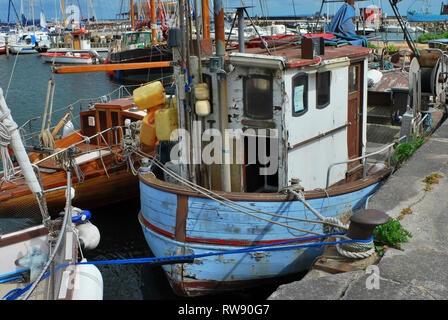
(391, 79)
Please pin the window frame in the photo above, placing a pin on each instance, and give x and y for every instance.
(245, 102)
(305, 95)
(323, 106)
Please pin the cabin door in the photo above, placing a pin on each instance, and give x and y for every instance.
(76, 42)
(355, 97)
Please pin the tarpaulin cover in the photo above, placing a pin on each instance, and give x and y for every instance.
(343, 28)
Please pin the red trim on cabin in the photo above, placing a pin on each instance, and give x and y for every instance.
(218, 241)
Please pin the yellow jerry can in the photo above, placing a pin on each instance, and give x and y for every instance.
(149, 95)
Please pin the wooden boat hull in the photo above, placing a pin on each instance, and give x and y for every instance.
(150, 54)
(176, 221)
(96, 190)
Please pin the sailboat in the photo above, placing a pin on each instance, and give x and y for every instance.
(35, 40)
(265, 147)
(103, 174)
(40, 256)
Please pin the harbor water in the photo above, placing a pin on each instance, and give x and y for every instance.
(24, 82)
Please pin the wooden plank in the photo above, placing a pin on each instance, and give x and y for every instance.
(181, 218)
(109, 67)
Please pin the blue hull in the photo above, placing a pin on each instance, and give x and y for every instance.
(420, 17)
(209, 226)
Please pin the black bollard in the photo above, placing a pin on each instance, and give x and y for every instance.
(364, 221)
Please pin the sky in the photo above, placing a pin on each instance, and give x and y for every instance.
(107, 9)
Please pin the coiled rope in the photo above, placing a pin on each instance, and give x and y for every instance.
(5, 138)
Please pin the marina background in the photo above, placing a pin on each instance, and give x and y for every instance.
(121, 234)
(107, 9)
(25, 80)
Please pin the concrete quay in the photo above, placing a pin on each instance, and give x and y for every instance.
(420, 271)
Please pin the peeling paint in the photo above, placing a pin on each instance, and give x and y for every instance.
(259, 255)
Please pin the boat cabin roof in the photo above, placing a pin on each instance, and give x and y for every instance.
(293, 54)
(122, 104)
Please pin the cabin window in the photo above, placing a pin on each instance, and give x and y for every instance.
(323, 89)
(353, 81)
(299, 94)
(258, 97)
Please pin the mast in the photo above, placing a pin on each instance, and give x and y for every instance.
(88, 12)
(132, 14)
(9, 9)
(63, 13)
(205, 19)
(222, 88)
(153, 22)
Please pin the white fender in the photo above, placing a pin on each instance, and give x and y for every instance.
(89, 234)
(88, 283)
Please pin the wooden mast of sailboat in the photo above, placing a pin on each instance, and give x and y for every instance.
(63, 13)
(132, 15)
(206, 19)
(153, 22)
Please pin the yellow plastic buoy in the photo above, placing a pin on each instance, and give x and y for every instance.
(150, 95)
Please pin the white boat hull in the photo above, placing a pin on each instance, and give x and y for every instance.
(67, 60)
(22, 50)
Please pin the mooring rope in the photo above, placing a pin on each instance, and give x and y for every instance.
(15, 293)
(354, 251)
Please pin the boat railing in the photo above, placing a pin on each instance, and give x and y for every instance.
(29, 136)
(364, 159)
(86, 139)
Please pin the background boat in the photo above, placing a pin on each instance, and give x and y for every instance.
(67, 57)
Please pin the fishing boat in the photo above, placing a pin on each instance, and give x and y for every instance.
(67, 57)
(273, 151)
(136, 46)
(143, 45)
(78, 42)
(102, 171)
(424, 15)
(413, 16)
(40, 254)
